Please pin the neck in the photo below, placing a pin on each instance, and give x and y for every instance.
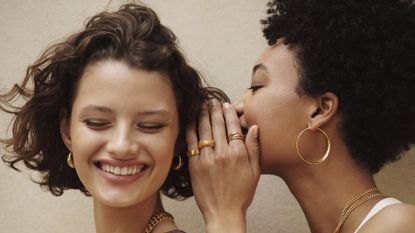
(323, 190)
(130, 219)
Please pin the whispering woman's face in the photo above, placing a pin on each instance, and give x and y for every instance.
(274, 105)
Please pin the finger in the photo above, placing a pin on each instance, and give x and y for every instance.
(205, 131)
(252, 145)
(218, 125)
(232, 123)
(191, 141)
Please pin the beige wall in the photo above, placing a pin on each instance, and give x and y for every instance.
(221, 38)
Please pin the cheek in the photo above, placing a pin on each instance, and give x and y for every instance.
(162, 155)
(278, 120)
(162, 147)
(260, 110)
(86, 141)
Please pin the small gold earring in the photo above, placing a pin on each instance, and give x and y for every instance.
(179, 163)
(69, 160)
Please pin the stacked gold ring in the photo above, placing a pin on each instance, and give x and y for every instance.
(205, 143)
(235, 136)
(193, 152)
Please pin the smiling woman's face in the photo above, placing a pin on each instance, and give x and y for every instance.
(122, 132)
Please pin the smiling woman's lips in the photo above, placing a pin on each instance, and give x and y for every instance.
(121, 173)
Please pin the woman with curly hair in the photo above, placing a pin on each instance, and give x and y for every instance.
(105, 112)
(331, 102)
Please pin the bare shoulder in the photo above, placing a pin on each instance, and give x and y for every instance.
(397, 218)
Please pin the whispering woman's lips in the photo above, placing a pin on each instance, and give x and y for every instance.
(244, 131)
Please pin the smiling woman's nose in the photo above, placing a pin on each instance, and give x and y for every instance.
(122, 143)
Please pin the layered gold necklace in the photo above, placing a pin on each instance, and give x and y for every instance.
(355, 202)
(156, 219)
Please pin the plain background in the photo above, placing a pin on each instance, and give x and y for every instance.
(220, 38)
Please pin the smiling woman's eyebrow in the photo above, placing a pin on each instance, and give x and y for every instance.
(103, 109)
(161, 112)
(96, 108)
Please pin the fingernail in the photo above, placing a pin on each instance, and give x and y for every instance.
(255, 129)
(226, 105)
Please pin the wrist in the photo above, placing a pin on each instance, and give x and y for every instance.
(229, 222)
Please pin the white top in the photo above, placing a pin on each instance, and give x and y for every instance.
(378, 207)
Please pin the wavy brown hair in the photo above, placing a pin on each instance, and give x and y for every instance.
(133, 35)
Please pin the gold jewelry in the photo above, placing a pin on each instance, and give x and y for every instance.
(156, 219)
(179, 163)
(355, 202)
(235, 136)
(193, 152)
(69, 160)
(313, 161)
(204, 143)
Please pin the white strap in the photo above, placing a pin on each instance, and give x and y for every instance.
(378, 207)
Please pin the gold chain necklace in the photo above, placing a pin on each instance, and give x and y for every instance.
(355, 202)
(156, 219)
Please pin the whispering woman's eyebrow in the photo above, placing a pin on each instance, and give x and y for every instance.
(259, 66)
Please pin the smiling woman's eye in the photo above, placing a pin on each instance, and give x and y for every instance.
(150, 127)
(96, 124)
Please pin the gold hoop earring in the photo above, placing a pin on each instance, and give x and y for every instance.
(69, 160)
(179, 163)
(313, 161)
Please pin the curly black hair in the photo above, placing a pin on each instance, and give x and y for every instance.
(132, 35)
(364, 52)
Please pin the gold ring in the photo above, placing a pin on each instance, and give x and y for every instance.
(235, 136)
(204, 143)
(193, 152)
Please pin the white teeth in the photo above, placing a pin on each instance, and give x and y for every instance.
(122, 171)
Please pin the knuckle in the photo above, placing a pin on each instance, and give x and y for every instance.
(221, 159)
(216, 117)
(231, 119)
(206, 166)
(238, 151)
(255, 148)
(204, 128)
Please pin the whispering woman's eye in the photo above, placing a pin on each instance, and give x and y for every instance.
(96, 124)
(254, 88)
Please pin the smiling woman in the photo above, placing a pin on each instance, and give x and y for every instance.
(106, 115)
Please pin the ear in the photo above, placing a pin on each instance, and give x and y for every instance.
(65, 130)
(324, 109)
